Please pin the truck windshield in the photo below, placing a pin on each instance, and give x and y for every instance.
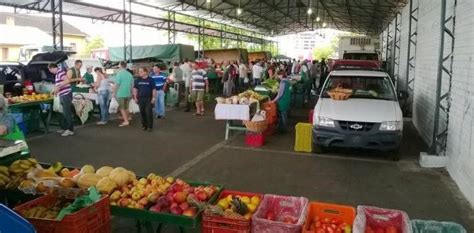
(361, 87)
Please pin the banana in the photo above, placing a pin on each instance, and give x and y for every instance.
(4, 170)
(2, 183)
(26, 162)
(17, 170)
(4, 178)
(33, 161)
(25, 166)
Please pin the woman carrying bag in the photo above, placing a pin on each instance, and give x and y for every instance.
(282, 100)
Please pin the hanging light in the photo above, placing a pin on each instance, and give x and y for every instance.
(272, 32)
(239, 11)
(208, 1)
(318, 19)
(310, 11)
(324, 25)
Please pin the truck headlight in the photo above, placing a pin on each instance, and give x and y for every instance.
(391, 126)
(324, 121)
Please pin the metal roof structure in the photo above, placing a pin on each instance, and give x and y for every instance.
(292, 16)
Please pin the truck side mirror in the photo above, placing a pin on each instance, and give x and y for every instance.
(402, 95)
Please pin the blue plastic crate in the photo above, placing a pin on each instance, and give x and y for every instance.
(429, 226)
(23, 128)
(18, 117)
(11, 222)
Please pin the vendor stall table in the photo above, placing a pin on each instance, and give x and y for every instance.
(34, 108)
(232, 112)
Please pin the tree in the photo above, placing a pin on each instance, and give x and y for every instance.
(325, 51)
(95, 43)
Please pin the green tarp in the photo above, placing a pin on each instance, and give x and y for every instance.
(169, 52)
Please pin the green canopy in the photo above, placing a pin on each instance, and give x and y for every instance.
(168, 52)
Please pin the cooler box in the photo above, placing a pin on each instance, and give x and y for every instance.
(424, 226)
(11, 222)
(304, 137)
(255, 139)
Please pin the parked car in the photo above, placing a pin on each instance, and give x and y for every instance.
(14, 74)
(370, 118)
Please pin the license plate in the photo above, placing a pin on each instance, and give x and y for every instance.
(356, 139)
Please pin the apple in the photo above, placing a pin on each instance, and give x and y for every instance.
(209, 191)
(163, 202)
(155, 182)
(176, 187)
(125, 189)
(179, 197)
(153, 197)
(136, 196)
(123, 201)
(170, 197)
(115, 195)
(155, 208)
(143, 201)
(201, 195)
(176, 210)
(192, 196)
(139, 206)
(152, 176)
(170, 180)
(143, 181)
(190, 212)
(180, 182)
(184, 206)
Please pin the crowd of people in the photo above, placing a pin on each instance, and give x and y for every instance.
(192, 79)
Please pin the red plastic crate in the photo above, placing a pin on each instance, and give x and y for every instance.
(255, 139)
(310, 116)
(342, 213)
(92, 219)
(216, 224)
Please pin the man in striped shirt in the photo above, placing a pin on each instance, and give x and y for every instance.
(199, 86)
(64, 91)
(160, 83)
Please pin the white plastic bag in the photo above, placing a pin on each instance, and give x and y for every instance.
(133, 107)
(57, 107)
(113, 106)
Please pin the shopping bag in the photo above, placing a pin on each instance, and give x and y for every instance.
(113, 106)
(172, 97)
(57, 105)
(133, 107)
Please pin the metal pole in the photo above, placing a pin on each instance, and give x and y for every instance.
(130, 31)
(407, 78)
(60, 8)
(124, 21)
(439, 77)
(53, 10)
(393, 52)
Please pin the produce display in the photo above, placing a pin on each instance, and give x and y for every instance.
(28, 98)
(329, 225)
(45, 212)
(235, 207)
(271, 84)
(246, 97)
(11, 177)
(183, 199)
(339, 93)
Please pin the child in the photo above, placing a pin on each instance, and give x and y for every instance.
(144, 93)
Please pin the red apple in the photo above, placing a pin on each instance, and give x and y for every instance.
(163, 202)
(179, 197)
(169, 196)
(192, 196)
(201, 195)
(176, 210)
(155, 208)
(190, 212)
(180, 182)
(184, 206)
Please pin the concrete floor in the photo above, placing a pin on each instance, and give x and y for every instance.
(193, 148)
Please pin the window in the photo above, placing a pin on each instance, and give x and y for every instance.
(362, 87)
(10, 21)
(360, 41)
(73, 46)
(4, 54)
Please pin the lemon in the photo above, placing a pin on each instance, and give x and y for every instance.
(252, 207)
(223, 203)
(245, 200)
(255, 200)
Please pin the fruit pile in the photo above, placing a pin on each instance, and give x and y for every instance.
(140, 193)
(378, 229)
(11, 177)
(28, 98)
(329, 225)
(45, 212)
(184, 199)
(237, 206)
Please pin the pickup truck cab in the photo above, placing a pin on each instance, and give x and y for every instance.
(370, 118)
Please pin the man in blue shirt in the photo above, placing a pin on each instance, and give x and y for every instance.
(161, 85)
(144, 94)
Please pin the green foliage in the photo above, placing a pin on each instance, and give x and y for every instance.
(95, 43)
(325, 51)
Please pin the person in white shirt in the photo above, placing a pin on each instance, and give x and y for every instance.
(186, 68)
(243, 78)
(293, 67)
(257, 71)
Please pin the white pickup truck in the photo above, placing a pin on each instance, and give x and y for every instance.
(370, 119)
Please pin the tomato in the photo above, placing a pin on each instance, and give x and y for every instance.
(391, 229)
(334, 221)
(318, 224)
(320, 230)
(326, 220)
(369, 229)
(379, 230)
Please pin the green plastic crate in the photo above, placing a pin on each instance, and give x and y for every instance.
(165, 218)
(429, 226)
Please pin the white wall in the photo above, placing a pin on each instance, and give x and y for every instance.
(461, 126)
